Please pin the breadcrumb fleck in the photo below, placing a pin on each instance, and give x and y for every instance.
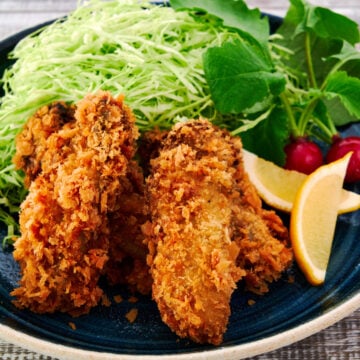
(251, 302)
(72, 325)
(133, 299)
(132, 315)
(118, 299)
(105, 301)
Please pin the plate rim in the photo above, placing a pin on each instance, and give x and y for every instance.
(230, 352)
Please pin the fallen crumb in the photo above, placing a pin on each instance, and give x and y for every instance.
(133, 299)
(118, 299)
(132, 315)
(291, 279)
(72, 325)
(251, 302)
(105, 301)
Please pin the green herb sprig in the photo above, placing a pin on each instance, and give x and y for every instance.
(304, 78)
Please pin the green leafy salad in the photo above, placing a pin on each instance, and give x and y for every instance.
(215, 59)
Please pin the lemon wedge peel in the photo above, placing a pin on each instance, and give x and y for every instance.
(313, 218)
(350, 201)
(281, 194)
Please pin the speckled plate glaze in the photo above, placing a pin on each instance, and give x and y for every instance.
(289, 312)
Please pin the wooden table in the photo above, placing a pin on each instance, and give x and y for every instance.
(338, 342)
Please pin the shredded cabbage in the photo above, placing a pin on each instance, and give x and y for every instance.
(150, 53)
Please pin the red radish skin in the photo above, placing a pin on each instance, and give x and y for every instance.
(339, 148)
(303, 155)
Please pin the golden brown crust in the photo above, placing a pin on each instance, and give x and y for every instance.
(32, 142)
(208, 231)
(64, 244)
(263, 239)
(192, 256)
(127, 252)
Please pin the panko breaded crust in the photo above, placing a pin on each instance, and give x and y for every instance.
(192, 257)
(32, 142)
(127, 253)
(64, 244)
(208, 231)
(263, 240)
(265, 251)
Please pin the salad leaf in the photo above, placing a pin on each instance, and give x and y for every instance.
(321, 44)
(347, 89)
(267, 139)
(236, 69)
(328, 24)
(338, 113)
(313, 35)
(348, 59)
(298, 62)
(347, 53)
(234, 13)
(303, 16)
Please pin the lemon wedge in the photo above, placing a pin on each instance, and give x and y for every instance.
(313, 218)
(278, 187)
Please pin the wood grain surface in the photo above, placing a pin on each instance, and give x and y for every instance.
(340, 341)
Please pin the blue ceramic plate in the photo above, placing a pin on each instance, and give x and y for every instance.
(288, 313)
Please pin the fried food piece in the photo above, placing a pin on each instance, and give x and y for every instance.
(127, 253)
(208, 231)
(265, 251)
(262, 256)
(263, 239)
(37, 150)
(64, 243)
(192, 256)
(32, 142)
